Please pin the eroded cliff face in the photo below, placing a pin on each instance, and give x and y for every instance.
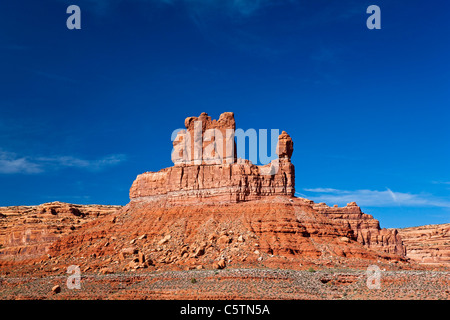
(272, 232)
(428, 244)
(241, 181)
(366, 229)
(206, 141)
(26, 232)
(206, 168)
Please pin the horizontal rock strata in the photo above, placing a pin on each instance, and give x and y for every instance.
(366, 229)
(197, 213)
(270, 232)
(428, 244)
(190, 184)
(27, 232)
(194, 180)
(225, 182)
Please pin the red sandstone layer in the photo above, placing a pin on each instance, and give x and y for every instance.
(27, 232)
(428, 244)
(225, 182)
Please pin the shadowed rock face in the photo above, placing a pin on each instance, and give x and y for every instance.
(206, 183)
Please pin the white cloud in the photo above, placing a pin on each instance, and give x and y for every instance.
(374, 198)
(11, 163)
(69, 161)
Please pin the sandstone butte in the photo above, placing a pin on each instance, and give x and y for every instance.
(203, 214)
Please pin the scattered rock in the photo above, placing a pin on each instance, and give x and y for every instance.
(133, 265)
(141, 257)
(56, 289)
(212, 237)
(164, 240)
(106, 270)
(121, 256)
(223, 239)
(221, 264)
(129, 251)
(199, 252)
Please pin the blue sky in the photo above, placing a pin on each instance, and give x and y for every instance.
(82, 112)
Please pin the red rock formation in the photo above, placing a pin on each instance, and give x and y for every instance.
(366, 229)
(273, 232)
(229, 180)
(28, 231)
(229, 214)
(205, 141)
(225, 182)
(428, 244)
(285, 146)
(200, 214)
(188, 183)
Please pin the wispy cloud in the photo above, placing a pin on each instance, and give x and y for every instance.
(374, 198)
(441, 182)
(243, 7)
(95, 164)
(11, 163)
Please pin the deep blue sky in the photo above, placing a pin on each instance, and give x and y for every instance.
(82, 112)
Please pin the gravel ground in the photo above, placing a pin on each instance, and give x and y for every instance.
(253, 284)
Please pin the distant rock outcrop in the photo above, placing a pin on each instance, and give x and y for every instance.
(428, 244)
(366, 229)
(27, 232)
